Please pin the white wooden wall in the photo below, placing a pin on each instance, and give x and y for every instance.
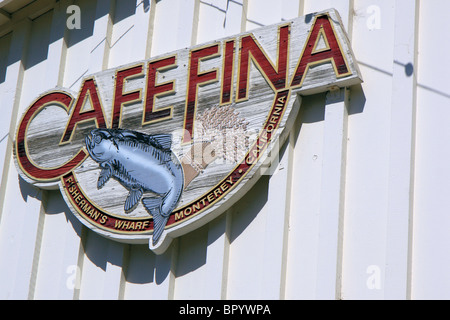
(357, 208)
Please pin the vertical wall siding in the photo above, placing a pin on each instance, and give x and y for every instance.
(356, 207)
(431, 201)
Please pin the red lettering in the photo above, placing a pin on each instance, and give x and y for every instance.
(121, 98)
(64, 101)
(250, 49)
(322, 27)
(89, 89)
(195, 79)
(153, 90)
(227, 77)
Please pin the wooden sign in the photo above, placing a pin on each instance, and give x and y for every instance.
(155, 149)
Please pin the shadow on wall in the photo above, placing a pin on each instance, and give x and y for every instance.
(357, 100)
(27, 190)
(312, 107)
(55, 204)
(38, 46)
(143, 265)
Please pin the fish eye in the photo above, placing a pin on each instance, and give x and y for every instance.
(97, 139)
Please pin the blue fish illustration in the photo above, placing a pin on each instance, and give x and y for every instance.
(141, 163)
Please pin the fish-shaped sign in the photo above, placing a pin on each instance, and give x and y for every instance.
(152, 150)
(141, 163)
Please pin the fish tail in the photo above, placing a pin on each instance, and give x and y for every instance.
(159, 222)
(153, 207)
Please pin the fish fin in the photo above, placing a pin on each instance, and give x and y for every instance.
(163, 140)
(150, 204)
(105, 174)
(133, 199)
(153, 206)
